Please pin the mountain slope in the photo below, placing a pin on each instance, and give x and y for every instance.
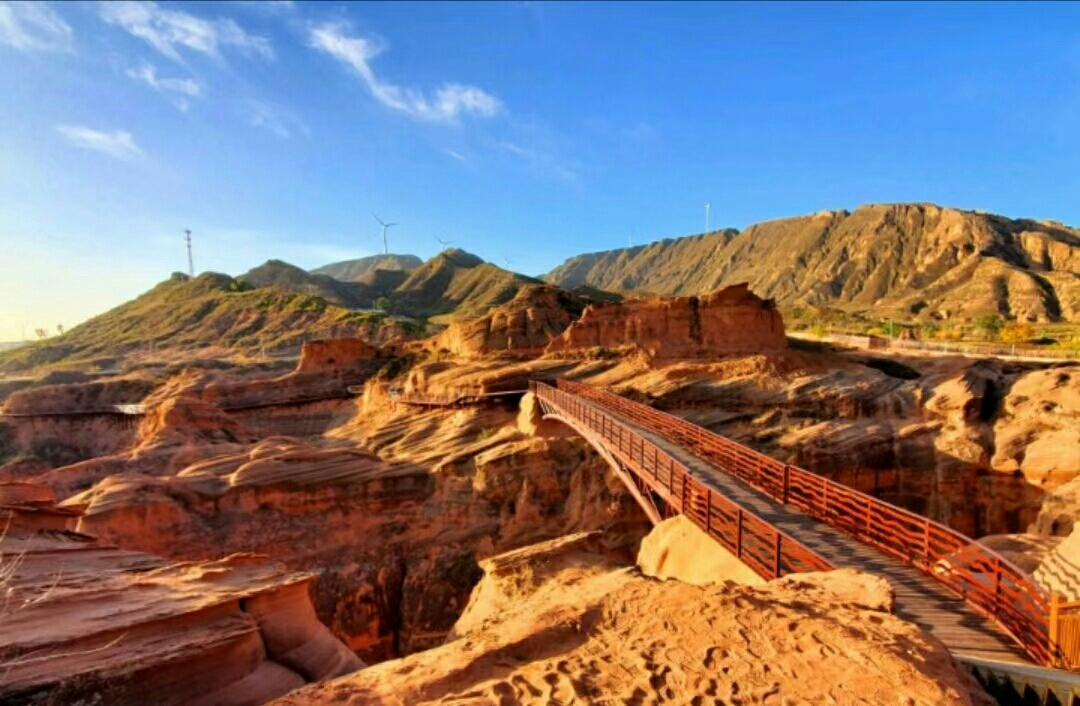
(274, 307)
(275, 273)
(354, 270)
(911, 261)
(182, 313)
(456, 282)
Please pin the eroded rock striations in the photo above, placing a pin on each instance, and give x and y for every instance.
(560, 621)
(524, 326)
(728, 321)
(336, 356)
(86, 622)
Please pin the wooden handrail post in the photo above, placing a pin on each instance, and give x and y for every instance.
(738, 533)
(708, 511)
(869, 513)
(779, 541)
(926, 541)
(1053, 628)
(787, 482)
(997, 585)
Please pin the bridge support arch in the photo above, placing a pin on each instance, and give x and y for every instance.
(640, 493)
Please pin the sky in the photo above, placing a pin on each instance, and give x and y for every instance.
(523, 132)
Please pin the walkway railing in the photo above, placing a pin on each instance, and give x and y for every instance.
(984, 579)
(1064, 627)
(451, 398)
(115, 410)
(770, 552)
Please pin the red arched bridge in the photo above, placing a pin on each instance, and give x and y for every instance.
(779, 519)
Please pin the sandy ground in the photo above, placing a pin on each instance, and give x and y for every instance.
(561, 629)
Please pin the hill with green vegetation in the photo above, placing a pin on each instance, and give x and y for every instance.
(274, 307)
(275, 273)
(458, 284)
(912, 263)
(187, 314)
(355, 270)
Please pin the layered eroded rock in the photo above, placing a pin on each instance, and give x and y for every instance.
(561, 622)
(728, 321)
(85, 622)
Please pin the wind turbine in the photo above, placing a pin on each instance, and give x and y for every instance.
(385, 247)
(508, 262)
(707, 207)
(443, 242)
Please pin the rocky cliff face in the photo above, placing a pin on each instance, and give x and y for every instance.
(900, 260)
(394, 513)
(559, 622)
(85, 622)
(523, 326)
(335, 355)
(61, 398)
(729, 321)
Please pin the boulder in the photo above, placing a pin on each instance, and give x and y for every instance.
(678, 549)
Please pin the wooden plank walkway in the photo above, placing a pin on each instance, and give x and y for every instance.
(919, 598)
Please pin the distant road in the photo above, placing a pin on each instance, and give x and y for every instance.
(876, 344)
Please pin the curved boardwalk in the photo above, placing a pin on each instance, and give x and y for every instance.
(877, 538)
(919, 598)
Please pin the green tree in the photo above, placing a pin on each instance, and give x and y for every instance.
(383, 304)
(989, 324)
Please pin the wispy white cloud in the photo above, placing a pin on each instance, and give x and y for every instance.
(449, 102)
(177, 89)
(169, 31)
(278, 119)
(272, 7)
(518, 150)
(539, 161)
(118, 143)
(33, 26)
(456, 155)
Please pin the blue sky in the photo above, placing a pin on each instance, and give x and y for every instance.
(524, 132)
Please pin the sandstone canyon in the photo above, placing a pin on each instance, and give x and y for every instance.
(300, 524)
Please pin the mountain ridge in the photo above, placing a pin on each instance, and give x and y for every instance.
(910, 261)
(276, 305)
(355, 270)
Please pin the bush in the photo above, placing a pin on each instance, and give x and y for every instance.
(989, 325)
(1017, 333)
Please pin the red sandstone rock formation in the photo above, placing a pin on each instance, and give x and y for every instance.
(559, 622)
(335, 355)
(728, 321)
(85, 622)
(30, 506)
(59, 399)
(395, 538)
(523, 326)
(678, 549)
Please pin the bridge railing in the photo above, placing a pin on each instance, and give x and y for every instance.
(767, 550)
(1064, 626)
(983, 578)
